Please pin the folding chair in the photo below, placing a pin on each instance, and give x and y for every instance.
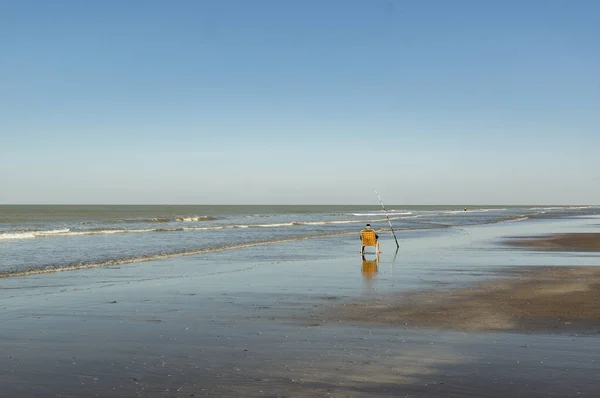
(368, 238)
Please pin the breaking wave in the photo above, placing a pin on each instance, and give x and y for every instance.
(523, 218)
(111, 231)
(32, 234)
(165, 219)
(471, 211)
(381, 213)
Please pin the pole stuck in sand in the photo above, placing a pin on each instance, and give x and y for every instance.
(386, 216)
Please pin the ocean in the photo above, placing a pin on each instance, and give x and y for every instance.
(36, 239)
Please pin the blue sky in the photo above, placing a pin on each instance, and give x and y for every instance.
(220, 102)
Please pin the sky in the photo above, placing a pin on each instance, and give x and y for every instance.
(299, 102)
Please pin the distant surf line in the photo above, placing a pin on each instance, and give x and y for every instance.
(19, 235)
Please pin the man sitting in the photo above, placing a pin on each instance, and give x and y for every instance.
(368, 237)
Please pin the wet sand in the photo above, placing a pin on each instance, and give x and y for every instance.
(224, 326)
(589, 241)
(557, 299)
(523, 299)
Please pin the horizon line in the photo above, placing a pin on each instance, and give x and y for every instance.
(293, 204)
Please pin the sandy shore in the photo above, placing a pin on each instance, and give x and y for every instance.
(531, 299)
(566, 242)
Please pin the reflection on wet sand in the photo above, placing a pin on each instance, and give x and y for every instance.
(369, 266)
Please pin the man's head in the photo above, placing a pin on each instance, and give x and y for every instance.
(368, 226)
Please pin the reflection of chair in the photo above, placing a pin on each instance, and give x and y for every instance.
(369, 267)
(368, 237)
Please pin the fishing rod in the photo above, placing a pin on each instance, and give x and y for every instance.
(386, 216)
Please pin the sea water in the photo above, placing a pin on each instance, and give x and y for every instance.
(38, 239)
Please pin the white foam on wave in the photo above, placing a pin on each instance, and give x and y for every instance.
(53, 232)
(347, 221)
(517, 219)
(544, 210)
(559, 207)
(470, 211)
(283, 224)
(395, 213)
(243, 226)
(68, 232)
(209, 228)
(16, 235)
(32, 234)
(193, 219)
(329, 222)
(107, 232)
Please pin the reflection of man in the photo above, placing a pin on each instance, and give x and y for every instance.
(369, 268)
(368, 237)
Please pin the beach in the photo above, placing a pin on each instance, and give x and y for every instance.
(461, 311)
(529, 300)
